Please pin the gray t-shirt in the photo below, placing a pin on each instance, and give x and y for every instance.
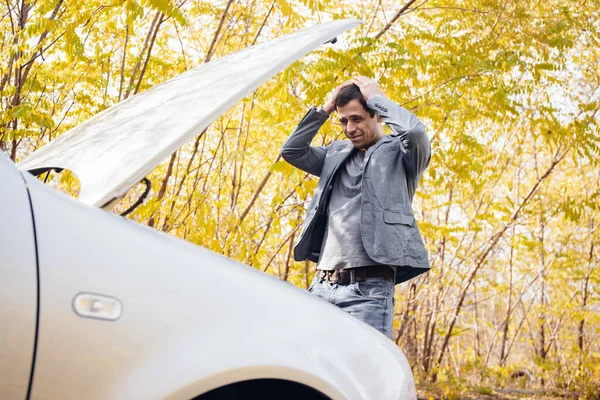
(342, 244)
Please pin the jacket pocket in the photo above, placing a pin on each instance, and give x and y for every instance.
(398, 217)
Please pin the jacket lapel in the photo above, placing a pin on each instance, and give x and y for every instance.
(345, 151)
(381, 141)
(339, 158)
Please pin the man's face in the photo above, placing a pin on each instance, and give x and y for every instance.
(358, 125)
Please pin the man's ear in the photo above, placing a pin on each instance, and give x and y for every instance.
(378, 119)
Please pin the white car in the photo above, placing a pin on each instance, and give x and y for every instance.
(96, 306)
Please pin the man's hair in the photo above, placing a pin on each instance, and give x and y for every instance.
(349, 93)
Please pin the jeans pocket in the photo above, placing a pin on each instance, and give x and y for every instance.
(374, 288)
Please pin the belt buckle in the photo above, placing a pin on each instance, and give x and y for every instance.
(327, 276)
(337, 275)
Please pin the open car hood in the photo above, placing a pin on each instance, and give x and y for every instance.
(115, 149)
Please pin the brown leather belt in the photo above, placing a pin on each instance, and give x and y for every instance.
(351, 275)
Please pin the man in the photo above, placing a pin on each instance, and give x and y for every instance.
(360, 227)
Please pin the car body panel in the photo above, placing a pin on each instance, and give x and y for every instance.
(18, 283)
(192, 320)
(115, 149)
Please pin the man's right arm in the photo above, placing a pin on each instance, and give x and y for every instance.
(297, 149)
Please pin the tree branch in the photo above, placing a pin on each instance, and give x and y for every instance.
(394, 18)
(479, 261)
(211, 48)
(141, 77)
(261, 186)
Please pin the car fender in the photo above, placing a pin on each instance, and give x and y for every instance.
(189, 318)
(18, 284)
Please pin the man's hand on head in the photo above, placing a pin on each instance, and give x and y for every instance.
(329, 105)
(368, 87)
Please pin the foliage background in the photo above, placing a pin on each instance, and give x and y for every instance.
(508, 208)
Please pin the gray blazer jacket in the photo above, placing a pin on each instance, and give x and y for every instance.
(392, 169)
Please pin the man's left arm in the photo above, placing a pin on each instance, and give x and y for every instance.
(415, 145)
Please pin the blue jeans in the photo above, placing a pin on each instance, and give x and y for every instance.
(371, 301)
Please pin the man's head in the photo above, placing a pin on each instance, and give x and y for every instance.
(359, 123)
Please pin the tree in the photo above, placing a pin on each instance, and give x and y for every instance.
(509, 92)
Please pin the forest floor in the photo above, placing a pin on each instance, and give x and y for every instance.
(496, 394)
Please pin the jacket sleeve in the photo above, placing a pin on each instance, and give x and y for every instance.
(416, 149)
(297, 149)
